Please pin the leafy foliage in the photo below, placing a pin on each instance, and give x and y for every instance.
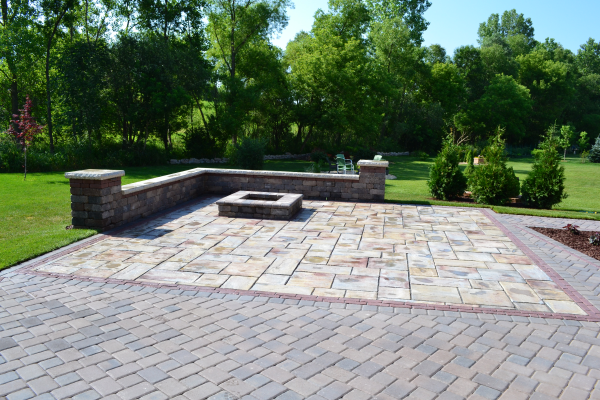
(318, 156)
(199, 144)
(545, 185)
(134, 72)
(493, 182)
(470, 165)
(24, 127)
(363, 153)
(446, 180)
(250, 153)
(567, 132)
(595, 239)
(583, 141)
(573, 229)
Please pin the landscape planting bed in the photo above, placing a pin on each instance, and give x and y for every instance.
(576, 242)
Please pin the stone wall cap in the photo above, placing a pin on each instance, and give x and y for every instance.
(95, 174)
(190, 173)
(372, 163)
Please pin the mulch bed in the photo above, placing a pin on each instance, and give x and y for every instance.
(576, 242)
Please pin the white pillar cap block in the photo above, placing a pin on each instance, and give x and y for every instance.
(372, 163)
(95, 174)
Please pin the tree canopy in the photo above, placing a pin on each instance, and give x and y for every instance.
(204, 73)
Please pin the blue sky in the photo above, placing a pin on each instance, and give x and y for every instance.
(454, 23)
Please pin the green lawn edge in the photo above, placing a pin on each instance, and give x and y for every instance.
(31, 229)
(500, 209)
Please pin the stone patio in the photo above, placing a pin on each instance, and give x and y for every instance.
(75, 334)
(440, 257)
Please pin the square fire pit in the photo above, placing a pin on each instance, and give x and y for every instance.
(261, 205)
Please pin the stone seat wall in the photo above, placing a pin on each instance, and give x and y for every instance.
(99, 201)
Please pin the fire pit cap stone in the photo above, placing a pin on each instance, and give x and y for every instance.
(241, 198)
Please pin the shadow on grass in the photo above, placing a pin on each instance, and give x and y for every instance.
(63, 182)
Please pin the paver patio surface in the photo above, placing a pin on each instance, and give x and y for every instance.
(71, 336)
(415, 254)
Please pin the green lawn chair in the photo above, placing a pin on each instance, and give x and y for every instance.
(343, 164)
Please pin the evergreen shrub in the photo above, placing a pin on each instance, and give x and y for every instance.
(545, 184)
(446, 180)
(595, 151)
(493, 182)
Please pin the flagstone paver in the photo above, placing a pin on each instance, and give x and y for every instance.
(450, 256)
(65, 335)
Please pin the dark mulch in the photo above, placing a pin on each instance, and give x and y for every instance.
(577, 242)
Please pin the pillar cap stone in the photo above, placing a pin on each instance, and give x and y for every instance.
(372, 163)
(95, 174)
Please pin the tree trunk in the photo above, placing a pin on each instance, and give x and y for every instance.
(124, 130)
(14, 100)
(310, 130)
(202, 115)
(48, 100)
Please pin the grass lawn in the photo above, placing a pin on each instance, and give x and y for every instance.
(582, 185)
(34, 213)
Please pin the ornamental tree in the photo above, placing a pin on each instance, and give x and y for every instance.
(24, 128)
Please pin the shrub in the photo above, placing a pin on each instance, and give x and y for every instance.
(573, 229)
(318, 167)
(251, 153)
(11, 156)
(595, 151)
(421, 155)
(545, 184)
(199, 144)
(319, 156)
(595, 239)
(494, 182)
(470, 165)
(363, 153)
(82, 154)
(446, 180)
(231, 153)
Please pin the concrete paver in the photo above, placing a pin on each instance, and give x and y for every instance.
(387, 252)
(80, 338)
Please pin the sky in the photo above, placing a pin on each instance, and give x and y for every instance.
(454, 23)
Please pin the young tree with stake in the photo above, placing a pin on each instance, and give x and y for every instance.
(24, 128)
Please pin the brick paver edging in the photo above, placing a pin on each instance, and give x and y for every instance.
(587, 259)
(559, 280)
(593, 313)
